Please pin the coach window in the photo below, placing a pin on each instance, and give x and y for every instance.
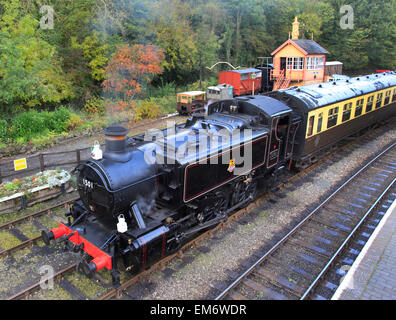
(359, 107)
(370, 102)
(332, 119)
(379, 100)
(320, 120)
(387, 97)
(394, 95)
(310, 125)
(346, 115)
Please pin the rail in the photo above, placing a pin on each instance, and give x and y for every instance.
(243, 277)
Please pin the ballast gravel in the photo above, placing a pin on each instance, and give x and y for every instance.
(194, 275)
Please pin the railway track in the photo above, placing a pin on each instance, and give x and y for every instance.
(115, 293)
(124, 287)
(326, 289)
(24, 294)
(12, 227)
(296, 264)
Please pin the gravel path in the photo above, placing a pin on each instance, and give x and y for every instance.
(191, 277)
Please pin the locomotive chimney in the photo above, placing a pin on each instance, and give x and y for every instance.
(116, 144)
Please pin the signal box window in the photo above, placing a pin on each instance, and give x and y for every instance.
(310, 125)
(295, 63)
(379, 101)
(320, 120)
(387, 97)
(370, 102)
(346, 115)
(359, 107)
(333, 115)
(315, 63)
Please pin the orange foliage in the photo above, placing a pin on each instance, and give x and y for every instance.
(129, 68)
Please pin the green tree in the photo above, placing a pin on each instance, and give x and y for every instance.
(30, 71)
(173, 33)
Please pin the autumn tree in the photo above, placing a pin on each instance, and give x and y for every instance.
(30, 69)
(129, 70)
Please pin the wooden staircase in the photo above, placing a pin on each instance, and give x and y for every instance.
(281, 81)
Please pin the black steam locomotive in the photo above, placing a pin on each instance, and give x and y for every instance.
(149, 193)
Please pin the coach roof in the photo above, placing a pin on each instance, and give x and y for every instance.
(319, 95)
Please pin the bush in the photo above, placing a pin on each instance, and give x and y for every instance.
(57, 121)
(148, 109)
(167, 104)
(4, 133)
(95, 105)
(27, 124)
(74, 121)
(31, 124)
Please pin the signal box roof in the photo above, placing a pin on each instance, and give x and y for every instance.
(310, 46)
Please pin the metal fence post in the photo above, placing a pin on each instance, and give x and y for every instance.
(78, 156)
(42, 167)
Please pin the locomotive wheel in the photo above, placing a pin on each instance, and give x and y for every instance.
(221, 202)
(215, 205)
(244, 191)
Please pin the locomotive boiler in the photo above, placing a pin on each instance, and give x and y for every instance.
(147, 194)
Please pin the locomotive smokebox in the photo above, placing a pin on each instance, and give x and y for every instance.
(116, 144)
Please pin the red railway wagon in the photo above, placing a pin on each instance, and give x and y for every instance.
(244, 81)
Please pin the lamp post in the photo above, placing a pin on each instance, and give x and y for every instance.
(253, 78)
